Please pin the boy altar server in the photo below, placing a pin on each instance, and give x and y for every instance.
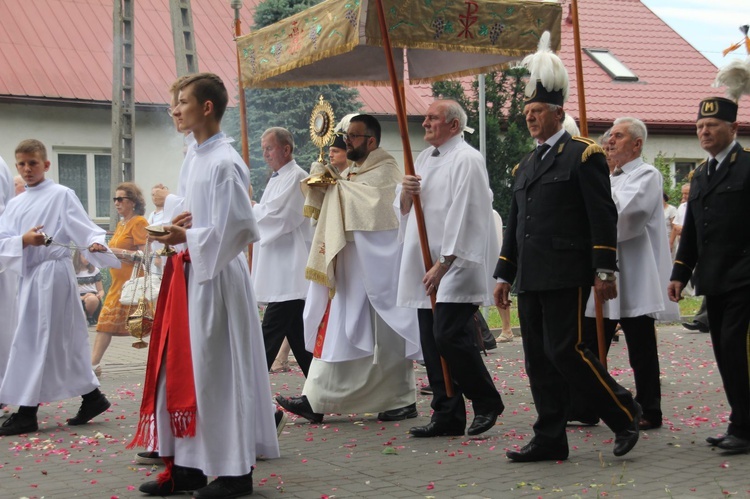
(206, 397)
(50, 357)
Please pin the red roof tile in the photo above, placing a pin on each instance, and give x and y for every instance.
(672, 75)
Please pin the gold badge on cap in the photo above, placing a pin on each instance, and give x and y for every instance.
(709, 108)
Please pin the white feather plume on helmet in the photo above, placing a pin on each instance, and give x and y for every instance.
(546, 68)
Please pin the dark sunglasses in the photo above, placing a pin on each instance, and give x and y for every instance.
(119, 199)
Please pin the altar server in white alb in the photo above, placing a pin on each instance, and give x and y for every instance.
(363, 344)
(206, 397)
(645, 263)
(8, 280)
(279, 258)
(50, 357)
(454, 190)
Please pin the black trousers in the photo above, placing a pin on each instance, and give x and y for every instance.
(450, 332)
(729, 318)
(284, 320)
(557, 361)
(640, 335)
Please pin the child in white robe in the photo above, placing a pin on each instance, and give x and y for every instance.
(50, 355)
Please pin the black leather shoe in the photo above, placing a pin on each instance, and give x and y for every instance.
(696, 326)
(225, 487)
(626, 439)
(90, 410)
(648, 424)
(17, 424)
(301, 407)
(734, 443)
(407, 412)
(716, 440)
(433, 429)
(174, 481)
(483, 422)
(583, 420)
(533, 452)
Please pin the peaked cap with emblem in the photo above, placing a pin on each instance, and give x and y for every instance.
(548, 79)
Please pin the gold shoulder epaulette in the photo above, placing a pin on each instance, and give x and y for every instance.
(514, 170)
(593, 148)
(585, 140)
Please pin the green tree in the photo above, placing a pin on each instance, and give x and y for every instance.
(663, 164)
(507, 137)
(286, 107)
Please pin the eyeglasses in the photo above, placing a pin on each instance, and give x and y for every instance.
(119, 199)
(348, 137)
(170, 111)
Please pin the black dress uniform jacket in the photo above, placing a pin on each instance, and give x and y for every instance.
(563, 222)
(716, 230)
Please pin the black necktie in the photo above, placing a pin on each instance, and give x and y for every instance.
(712, 164)
(436, 152)
(538, 154)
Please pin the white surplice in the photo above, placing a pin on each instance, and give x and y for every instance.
(457, 204)
(365, 363)
(643, 254)
(50, 357)
(235, 420)
(280, 257)
(8, 280)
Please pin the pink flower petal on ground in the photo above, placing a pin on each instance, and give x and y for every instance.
(131, 487)
(430, 486)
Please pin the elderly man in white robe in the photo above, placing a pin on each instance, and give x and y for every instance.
(49, 348)
(645, 263)
(217, 421)
(452, 182)
(362, 343)
(279, 259)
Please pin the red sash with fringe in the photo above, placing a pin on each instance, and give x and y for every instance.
(171, 334)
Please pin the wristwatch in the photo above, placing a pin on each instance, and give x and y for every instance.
(444, 261)
(606, 276)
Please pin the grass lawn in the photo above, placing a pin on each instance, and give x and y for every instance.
(688, 307)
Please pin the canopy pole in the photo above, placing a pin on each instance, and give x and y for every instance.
(585, 133)
(241, 89)
(236, 5)
(409, 169)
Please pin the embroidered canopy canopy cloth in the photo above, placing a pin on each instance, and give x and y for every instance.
(340, 41)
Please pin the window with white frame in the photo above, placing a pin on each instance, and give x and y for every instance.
(88, 174)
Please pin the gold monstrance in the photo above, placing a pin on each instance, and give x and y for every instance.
(321, 133)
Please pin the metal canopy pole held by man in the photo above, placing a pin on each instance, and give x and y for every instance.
(585, 133)
(409, 169)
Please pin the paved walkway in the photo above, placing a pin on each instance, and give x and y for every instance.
(356, 456)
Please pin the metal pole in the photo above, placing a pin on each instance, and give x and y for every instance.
(598, 306)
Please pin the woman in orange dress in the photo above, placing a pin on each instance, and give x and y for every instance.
(127, 243)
